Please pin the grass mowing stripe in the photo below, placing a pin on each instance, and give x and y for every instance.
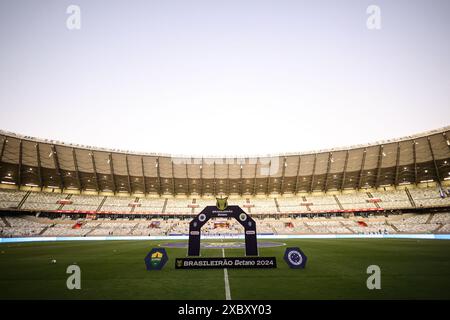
(225, 278)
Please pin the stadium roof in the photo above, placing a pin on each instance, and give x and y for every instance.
(28, 161)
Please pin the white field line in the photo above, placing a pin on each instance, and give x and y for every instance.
(225, 279)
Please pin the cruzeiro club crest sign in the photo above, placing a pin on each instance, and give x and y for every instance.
(156, 259)
(222, 203)
(295, 258)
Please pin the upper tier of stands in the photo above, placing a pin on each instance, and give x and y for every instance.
(356, 201)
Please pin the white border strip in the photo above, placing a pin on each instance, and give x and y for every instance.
(185, 237)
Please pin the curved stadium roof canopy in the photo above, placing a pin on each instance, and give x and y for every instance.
(28, 161)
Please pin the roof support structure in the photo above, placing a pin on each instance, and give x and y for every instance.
(241, 187)
(188, 192)
(313, 173)
(128, 175)
(298, 174)
(268, 179)
(95, 170)
(330, 156)
(58, 167)
(363, 162)
(173, 180)
(77, 172)
(344, 172)
(283, 171)
(19, 177)
(438, 176)
(214, 179)
(111, 169)
(379, 164)
(3, 148)
(227, 186)
(415, 162)
(254, 180)
(201, 179)
(397, 162)
(447, 141)
(158, 174)
(39, 167)
(144, 185)
(419, 160)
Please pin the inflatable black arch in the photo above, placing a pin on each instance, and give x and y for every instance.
(251, 247)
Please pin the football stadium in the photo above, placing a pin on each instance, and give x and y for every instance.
(221, 158)
(387, 203)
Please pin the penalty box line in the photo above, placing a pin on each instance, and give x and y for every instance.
(225, 279)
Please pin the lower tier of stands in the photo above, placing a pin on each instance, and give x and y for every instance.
(30, 225)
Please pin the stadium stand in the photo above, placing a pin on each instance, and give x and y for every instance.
(10, 199)
(405, 223)
(386, 187)
(428, 198)
(82, 203)
(395, 199)
(322, 203)
(42, 201)
(355, 200)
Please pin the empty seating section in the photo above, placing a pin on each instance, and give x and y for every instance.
(396, 199)
(263, 206)
(116, 228)
(357, 200)
(290, 205)
(415, 228)
(43, 201)
(21, 228)
(322, 203)
(83, 203)
(381, 229)
(175, 226)
(151, 205)
(429, 198)
(264, 226)
(10, 198)
(392, 199)
(277, 223)
(233, 227)
(445, 228)
(145, 229)
(117, 204)
(441, 218)
(65, 230)
(412, 223)
(406, 223)
(243, 203)
(178, 206)
(200, 204)
(415, 219)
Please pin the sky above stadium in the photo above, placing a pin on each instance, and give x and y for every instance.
(224, 77)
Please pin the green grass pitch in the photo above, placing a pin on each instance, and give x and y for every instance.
(336, 269)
